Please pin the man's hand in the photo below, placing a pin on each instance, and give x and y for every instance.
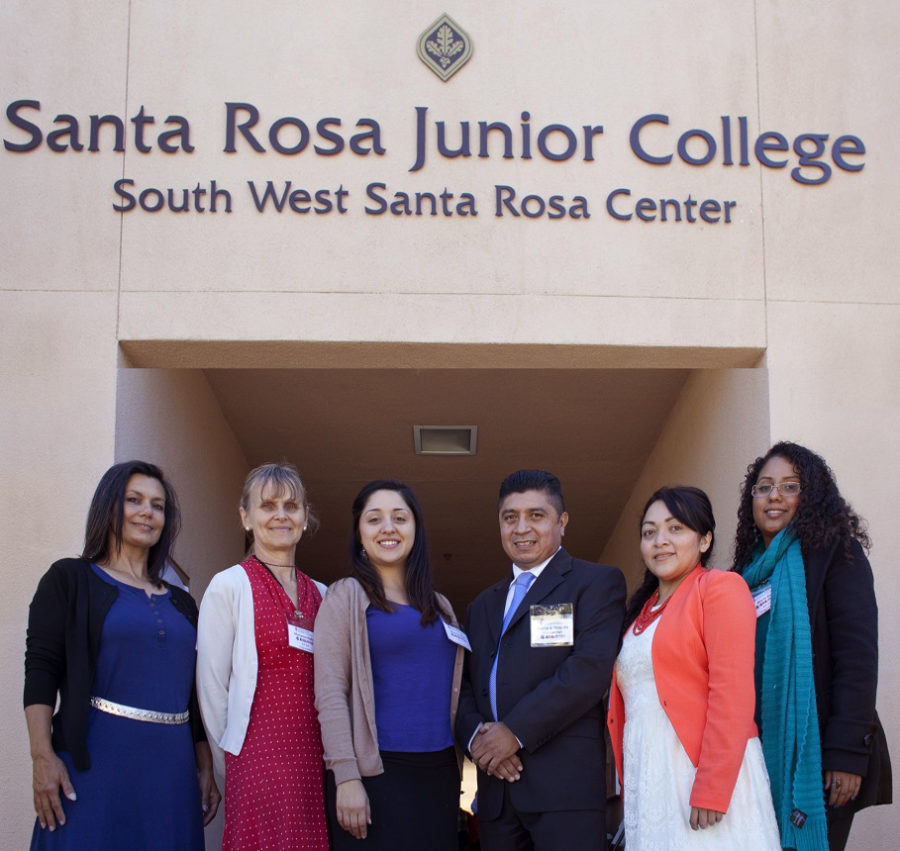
(494, 750)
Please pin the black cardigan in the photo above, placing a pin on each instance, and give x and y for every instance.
(843, 618)
(63, 639)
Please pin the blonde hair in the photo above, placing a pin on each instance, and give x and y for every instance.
(283, 477)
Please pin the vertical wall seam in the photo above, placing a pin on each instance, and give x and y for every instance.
(124, 155)
(762, 205)
(762, 226)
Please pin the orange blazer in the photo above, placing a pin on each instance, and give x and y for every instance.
(703, 654)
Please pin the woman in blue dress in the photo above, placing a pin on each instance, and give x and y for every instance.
(123, 762)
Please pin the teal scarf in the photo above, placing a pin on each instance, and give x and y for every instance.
(790, 725)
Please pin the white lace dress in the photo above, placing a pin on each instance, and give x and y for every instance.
(659, 775)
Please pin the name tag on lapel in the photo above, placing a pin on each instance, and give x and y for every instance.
(456, 635)
(762, 599)
(553, 625)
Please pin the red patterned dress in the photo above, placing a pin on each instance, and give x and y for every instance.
(274, 789)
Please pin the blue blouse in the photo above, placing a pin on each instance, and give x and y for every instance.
(412, 669)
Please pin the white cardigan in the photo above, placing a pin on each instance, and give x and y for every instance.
(226, 661)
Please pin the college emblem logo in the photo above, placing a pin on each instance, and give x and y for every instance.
(444, 47)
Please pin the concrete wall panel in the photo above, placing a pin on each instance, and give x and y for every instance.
(57, 423)
(719, 421)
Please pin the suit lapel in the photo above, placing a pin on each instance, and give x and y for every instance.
(496, 602)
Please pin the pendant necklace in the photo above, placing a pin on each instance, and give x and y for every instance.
(298, 608)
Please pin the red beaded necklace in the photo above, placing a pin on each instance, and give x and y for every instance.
(648, 614)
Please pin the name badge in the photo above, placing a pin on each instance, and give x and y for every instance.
(300, 634)
(456, 635)
(762, 599)
(300, 638)
(553, 625)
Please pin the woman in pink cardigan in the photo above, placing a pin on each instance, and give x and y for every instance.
(388, 661)
(682, 696)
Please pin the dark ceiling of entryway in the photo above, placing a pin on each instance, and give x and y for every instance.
(343, 427)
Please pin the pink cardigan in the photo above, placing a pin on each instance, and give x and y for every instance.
(345, 696)
(703, 654)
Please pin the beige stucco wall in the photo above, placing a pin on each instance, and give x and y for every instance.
(805, 273)
(714, 431)
(57, 421)
(437, 279)
(58, 347)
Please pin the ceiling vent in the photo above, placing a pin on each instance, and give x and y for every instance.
(445, 440)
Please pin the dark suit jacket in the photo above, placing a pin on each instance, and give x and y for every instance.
(550, 697)
(844, 621)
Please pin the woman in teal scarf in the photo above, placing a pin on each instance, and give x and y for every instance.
(800, 548)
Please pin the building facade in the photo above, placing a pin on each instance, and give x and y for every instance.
(666, 226)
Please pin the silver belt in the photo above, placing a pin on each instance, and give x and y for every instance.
(136, 714)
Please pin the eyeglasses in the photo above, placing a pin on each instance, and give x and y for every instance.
(785, 489)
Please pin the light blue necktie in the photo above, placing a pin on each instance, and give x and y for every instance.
(523, 580)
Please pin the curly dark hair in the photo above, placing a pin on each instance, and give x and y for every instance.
(823, 516)
(419, 585)
(690, 506)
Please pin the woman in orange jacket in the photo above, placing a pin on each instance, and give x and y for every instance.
(682, 696)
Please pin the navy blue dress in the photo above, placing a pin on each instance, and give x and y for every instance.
(141, 791)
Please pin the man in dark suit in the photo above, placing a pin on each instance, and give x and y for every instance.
(530, 712)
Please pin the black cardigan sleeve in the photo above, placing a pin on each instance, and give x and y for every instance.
(45, 641)
(846, 659)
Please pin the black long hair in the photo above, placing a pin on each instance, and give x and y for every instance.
(688, 505)
(107, 513)
(823, 516)
(419, 585)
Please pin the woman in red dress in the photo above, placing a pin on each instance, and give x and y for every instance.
(255, 675)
